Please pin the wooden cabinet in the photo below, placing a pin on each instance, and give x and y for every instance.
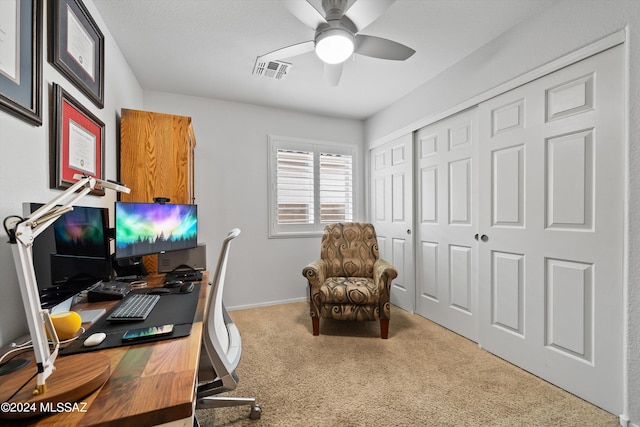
(156, 156)
(156, 159)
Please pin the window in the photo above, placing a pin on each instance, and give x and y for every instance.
(311, 184)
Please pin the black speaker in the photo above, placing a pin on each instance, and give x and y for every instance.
(129, 267)
(194, 259)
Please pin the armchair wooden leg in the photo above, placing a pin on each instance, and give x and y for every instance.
(384, 328)
(316, 325)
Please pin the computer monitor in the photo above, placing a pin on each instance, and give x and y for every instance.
(83, 232)
(70, 255)
(153, 228)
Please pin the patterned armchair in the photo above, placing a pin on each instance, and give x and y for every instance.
(350, 281)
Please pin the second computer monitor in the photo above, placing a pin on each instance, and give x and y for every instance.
(72, 254)
(83, 232)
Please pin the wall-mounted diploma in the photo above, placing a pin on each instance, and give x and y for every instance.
(82, 149)
(10, 40)
(80, 45)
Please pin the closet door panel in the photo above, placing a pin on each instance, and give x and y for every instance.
(551, 213)
(460, 192)
(507, 290)
(507, 184)
(570, 175)
(446, 196)
(392, 214)
(460, 278)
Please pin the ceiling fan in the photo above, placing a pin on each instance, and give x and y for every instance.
(338, 35)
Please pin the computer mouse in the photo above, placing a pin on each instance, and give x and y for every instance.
(159, 291)
(186, 288)
(94, 339)
(172, 283)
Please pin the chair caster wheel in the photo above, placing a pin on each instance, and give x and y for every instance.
(256, 412)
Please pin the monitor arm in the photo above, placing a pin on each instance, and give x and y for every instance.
(22, 234)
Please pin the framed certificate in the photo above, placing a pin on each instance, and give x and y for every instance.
(77, 142)
(76, 47)
(20, 63)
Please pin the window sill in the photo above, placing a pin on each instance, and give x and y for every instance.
(294, 234)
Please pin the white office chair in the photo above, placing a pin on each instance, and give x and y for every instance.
(221, 346)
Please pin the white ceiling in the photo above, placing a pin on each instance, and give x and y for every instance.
(208, 48)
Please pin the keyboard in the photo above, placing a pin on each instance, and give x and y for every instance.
(135, 307)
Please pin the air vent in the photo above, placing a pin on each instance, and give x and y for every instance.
(273, 69)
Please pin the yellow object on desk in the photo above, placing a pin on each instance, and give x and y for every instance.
(66, 324)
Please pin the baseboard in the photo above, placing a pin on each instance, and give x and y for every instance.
(267, 304)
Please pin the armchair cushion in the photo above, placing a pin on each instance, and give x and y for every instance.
(349, 249)
(349, 290)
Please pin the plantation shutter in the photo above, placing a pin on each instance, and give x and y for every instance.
(295, 187)
(310, 185)
(336, 188)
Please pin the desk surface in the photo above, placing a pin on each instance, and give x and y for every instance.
(148, 384)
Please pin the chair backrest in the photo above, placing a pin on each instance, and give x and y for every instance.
(350, 249)
(221, 339)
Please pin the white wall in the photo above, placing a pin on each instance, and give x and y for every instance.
(231, 190)
(562, 29)
(24, 160)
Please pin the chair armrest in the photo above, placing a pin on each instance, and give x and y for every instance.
(383, 275)
(315, 273)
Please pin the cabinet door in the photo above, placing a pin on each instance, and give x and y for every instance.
(191, 165)
(551, 212)
(447, 205)
(156, 156)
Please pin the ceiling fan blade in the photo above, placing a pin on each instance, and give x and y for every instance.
(289, 51)
(333, 72)
(364, 12)
(377, 47)
(305, 12)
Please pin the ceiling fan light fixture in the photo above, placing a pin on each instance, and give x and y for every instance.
(335, 45)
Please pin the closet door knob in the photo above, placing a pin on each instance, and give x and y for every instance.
(484, 238)
(408, 231)
(476, 236)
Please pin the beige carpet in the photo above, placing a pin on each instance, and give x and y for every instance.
(423, 375)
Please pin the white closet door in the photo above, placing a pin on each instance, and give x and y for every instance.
(392, 213)
(551, 218)
(447, 204)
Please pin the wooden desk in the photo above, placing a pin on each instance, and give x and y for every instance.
(149, 384)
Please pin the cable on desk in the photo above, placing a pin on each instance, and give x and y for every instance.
(138, 284)
(27, 344)
(22, 347)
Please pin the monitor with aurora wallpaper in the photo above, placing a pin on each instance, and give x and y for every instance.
(152, 228)
(83, 232)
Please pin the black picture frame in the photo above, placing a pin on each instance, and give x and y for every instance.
(77, 144)
(21, 91)
(76, 47)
